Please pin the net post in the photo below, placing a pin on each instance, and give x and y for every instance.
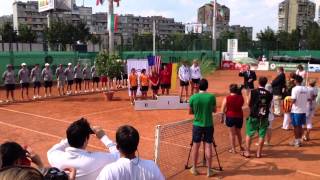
(157, 144)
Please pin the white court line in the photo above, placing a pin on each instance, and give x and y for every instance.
(42, 133)
(64, 121)
(308, 173)
(101, 112)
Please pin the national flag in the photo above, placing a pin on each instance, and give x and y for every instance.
(99, 2)
(113, 23)
(118, 2)
(154, 62)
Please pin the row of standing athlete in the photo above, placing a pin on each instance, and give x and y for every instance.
(65, 76)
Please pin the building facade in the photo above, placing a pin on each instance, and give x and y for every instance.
(205, 16)
(295, 14)
(237, 30)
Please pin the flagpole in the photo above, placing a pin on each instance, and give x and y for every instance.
(154, 37)
(214, 40)
(111, 33)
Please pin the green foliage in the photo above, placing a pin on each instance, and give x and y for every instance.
(207, 67)
(7, 33)
(108, 65)
(26, 35)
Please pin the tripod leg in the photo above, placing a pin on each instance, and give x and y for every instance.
(187, 164)
(215, 149)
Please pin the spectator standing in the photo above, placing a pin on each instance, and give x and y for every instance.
(95, 78)
(195, 72)
(87, 77)
(36, 79)
(202, 105)
(299, 98)
(71, 152)
(129, 166)
(47, 77)
(311, 107)
(60, 79)
(301, 72)
(78, 77)
(9, 79)
(69, 78)
(259, 104)
(24, 79)
(287, 102)
(184, 76)
(232, 110)
(278, 87)
(165, 80)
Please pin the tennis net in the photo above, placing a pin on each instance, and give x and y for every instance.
(172, 144)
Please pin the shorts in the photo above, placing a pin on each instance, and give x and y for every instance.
(125, 76)
(118, 78)
(184, 83)
(60, 83)
(10, 87)
(144, 88)
(165, 86)
(25, 85)
(195, 81)
(70, 82)
(134, 88)
(254, 125)
(87, 79)
(104, 79)
(232, 121)
(204, 134)
(155, 88)
(78, 80)
(47, 84)
(95, 79)
(37, 84)
(298, 119)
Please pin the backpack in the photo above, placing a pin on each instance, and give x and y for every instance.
(260, 103)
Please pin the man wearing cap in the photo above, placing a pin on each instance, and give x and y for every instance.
(9, 81)
(23, 76)
(47, 77)
(60, 79)
(36, 79)
(69, 78)
(87, 76)
(78, 76)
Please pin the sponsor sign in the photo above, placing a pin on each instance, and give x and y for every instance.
(314, 68)
(232, 45)
(227, 56)
(46, 5)
(287, 66)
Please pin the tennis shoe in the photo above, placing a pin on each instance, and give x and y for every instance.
(194, 171)
(211, 172)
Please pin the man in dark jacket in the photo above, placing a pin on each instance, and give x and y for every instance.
(278, 87)
(249, 78)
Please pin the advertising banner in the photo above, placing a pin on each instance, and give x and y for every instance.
(314, 68)
(287, 66)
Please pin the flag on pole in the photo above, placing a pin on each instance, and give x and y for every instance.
(154, 62)
(98, 2)
(118, 2)
(113, 23)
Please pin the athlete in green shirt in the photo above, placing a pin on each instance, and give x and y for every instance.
(202, 105)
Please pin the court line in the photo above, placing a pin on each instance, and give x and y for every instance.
(101, 112)
(59, 120)
(42, 133)
(308, 173)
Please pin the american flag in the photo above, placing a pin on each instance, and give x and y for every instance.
(154, 62)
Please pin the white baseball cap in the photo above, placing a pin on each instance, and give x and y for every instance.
(47, 64)
(23, 64)
(69, 64)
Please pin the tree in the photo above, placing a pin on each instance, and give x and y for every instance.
(267, 39)
(26, 35)
(7, 33)
(312, 36)
(245, 42)
(95, 40)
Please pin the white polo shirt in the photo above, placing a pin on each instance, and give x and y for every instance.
(300, 94)
(195, 72)
(184, 73)
(88, 164)
(134, 169)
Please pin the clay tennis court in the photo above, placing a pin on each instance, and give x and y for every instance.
(41, 124)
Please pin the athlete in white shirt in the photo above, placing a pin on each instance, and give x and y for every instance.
(184, 76)
(196, 76)
(299, 98)
(71, 152)
(301, 72)
(311, 107)
(129, 166)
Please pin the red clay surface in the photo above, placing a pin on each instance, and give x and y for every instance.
(41, 124)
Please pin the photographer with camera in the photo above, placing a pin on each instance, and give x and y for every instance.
(248, 78)
(232, 111)
(71, 152)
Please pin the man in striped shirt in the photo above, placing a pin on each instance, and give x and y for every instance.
(36, 79)
(47, 77)
(23, 75)
(95, 78)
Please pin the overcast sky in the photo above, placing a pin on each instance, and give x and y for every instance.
(256, 13)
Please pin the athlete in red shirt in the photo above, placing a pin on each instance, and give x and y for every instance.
(165, 80)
